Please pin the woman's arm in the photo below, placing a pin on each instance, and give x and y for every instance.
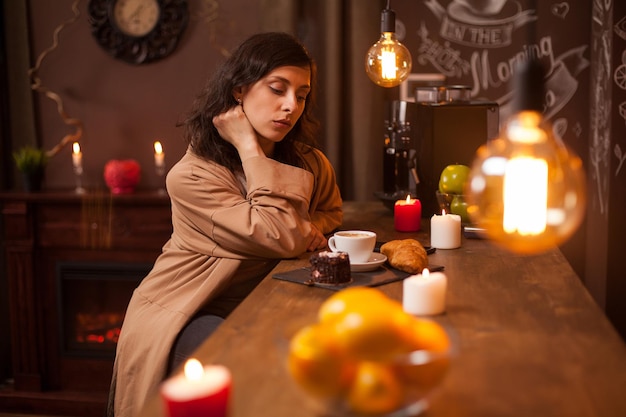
(212, 213)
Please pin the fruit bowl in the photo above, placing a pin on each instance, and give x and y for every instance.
(394, 388)
(357, 362)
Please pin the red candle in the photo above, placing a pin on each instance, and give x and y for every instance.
(198, 392)
(407, 215)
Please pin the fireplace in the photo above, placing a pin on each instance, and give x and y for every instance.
(72, 263)
(92, 299)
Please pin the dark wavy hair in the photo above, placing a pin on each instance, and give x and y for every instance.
(251, 61)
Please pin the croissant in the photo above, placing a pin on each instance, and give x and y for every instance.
(407, 255)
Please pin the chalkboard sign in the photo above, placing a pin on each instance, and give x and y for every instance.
(479, 43)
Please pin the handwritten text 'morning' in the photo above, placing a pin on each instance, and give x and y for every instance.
(484, 77)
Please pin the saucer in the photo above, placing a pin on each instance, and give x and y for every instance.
(376, 260)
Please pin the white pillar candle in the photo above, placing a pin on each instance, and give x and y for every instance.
(425, 293)
(445, 231)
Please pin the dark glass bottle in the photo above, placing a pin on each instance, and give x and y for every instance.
(396, 163)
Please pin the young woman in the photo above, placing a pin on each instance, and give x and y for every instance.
(251, 189)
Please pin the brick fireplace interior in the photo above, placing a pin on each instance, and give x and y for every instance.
(92, 298)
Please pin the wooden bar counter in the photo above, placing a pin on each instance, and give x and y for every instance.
(531, 340)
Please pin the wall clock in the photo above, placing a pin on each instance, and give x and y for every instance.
(138, 31)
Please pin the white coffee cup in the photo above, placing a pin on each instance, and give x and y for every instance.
(359, 244)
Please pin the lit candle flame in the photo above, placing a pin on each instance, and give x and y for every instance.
(193, 370)
(443, 212)
(408, 199)
(425, 273)
(158, 148)
(77, 157)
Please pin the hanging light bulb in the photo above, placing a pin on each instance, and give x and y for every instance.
(388, 63)
(526, 189)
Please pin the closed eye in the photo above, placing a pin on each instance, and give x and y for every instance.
(280, 92)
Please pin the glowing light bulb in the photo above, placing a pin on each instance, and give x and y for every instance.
(388, 63)
(528, 195)
(526, 188)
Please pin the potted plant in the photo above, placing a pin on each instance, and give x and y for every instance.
(31, 162)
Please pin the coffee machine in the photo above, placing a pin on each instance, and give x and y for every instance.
(442, 127)
(450, 128)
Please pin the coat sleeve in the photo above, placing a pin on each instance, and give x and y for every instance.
(212, 214)
(326, 202)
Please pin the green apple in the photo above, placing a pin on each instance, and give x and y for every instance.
(459, 206)
(453, 178)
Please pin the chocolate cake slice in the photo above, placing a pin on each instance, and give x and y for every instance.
(330, 267)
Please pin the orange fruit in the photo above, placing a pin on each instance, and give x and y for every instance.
(350, 299)
(316, 365)
(372, 332)
(427, 334)
(375, 390)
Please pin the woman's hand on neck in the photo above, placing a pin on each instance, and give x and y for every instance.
(234, 127)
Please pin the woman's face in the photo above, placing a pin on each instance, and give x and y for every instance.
(274, 104)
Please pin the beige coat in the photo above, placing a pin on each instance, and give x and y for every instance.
(221, 224)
